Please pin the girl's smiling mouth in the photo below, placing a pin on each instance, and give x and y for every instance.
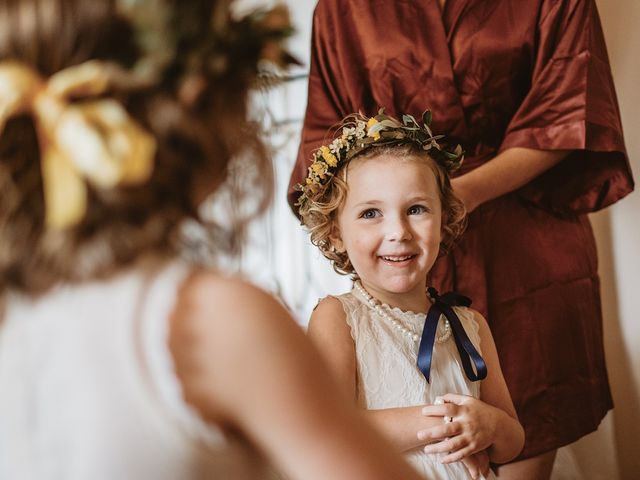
(397, 258)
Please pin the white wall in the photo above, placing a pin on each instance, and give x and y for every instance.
(618, 236)
(282, 260)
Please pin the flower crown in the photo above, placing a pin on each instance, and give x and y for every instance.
(360, 133)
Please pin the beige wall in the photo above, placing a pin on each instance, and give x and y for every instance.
(618, 236)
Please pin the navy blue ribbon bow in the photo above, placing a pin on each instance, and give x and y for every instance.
(442, 306)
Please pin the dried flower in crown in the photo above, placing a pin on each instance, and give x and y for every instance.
(360, 133)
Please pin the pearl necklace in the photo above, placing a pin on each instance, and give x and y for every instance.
(376, 307)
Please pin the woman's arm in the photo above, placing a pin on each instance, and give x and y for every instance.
(487, 423)
(329, 331)
(244, 364)
(508, 171)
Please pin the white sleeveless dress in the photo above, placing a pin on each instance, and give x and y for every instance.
(388, 376)
(88, 389)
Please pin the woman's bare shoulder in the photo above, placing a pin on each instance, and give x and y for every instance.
(212, 297)
(220, 321)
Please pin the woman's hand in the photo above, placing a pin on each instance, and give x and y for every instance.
(470, 426)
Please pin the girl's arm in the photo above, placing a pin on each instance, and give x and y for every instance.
(508, 171)
(245, 365)
(486, 423)
(329, 331)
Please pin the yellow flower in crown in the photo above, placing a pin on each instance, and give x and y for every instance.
(319, 168)
(375, 134)
(328, 157)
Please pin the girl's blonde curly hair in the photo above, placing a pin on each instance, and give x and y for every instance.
(319, 213)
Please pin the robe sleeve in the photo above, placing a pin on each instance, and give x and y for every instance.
(572, 105)
(326, 106)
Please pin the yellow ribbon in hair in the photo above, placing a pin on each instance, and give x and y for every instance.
(95, 141)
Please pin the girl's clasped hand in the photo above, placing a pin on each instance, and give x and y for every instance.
(469, 427)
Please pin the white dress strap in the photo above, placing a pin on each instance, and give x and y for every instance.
(157, 304)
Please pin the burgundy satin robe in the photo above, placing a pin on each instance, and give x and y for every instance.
(500, 74)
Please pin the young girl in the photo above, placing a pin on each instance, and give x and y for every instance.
(379, 205)
(118, 360)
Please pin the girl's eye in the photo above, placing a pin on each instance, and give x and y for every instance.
(370, 213)
(417, 209)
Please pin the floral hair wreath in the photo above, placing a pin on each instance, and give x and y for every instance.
(360, 133)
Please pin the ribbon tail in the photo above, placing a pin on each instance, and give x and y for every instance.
(425, 351)
(466, 349)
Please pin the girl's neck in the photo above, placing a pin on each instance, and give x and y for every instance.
(415, 300)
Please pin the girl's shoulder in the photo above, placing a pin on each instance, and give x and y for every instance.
(474, 323)
(340, 306)
(330, 312)
(333, 318)
(469, 317)
(330, 302)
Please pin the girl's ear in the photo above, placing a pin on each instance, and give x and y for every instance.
(336, 239)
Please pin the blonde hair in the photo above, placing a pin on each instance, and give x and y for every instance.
(197, 137)
(319, 213)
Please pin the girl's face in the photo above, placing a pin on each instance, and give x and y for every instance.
(390, 226)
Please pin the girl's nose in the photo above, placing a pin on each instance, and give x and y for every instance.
(398, 230)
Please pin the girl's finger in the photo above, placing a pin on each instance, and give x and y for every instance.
(457, 455)
(431, 434)
(451, 445)
(456, 398)
(440, 432)
(434, 411)
(446, 410)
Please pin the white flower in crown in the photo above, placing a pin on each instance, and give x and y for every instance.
(361, 129)
(336, 145)
(348, 132)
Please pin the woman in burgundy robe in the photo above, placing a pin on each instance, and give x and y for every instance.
(526, 88)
